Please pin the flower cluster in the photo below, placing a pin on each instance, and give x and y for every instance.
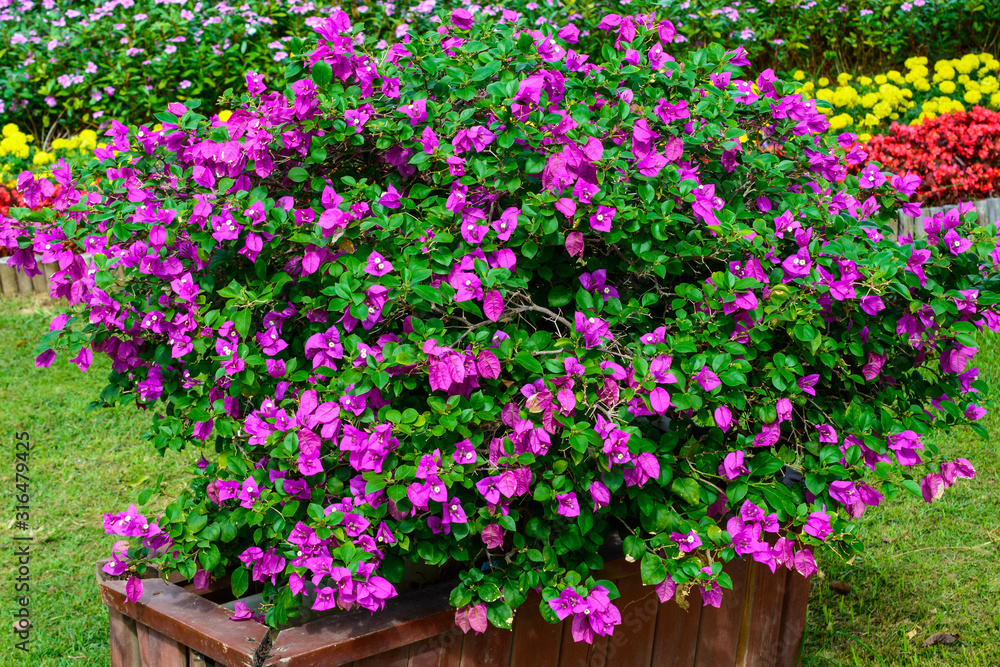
(869, 104)
(957, 155)
(19, 151)
(487, 301)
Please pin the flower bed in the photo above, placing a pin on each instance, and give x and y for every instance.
(480, 301)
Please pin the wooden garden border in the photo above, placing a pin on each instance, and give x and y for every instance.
(760, 624)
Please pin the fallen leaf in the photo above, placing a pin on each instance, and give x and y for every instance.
(912, 633)
(940, 638)
(841, 587)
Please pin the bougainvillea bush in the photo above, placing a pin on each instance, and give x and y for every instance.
(475, 301)
(956, 154)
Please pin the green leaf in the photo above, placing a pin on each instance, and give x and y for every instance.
(488, 70)
(687, 488)
(428, 294)
(322, 73)
(240, 580)
(297, 174)
(652, 569)
(527, 361)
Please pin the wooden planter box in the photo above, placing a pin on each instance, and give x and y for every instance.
(14, 281)
(760, 624)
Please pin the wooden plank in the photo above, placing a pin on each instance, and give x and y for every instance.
(581, 654)
(160, 651)
(24, 285)
(489, 649)
(440, 651)
(632, 642)
(675, 642)
(124, 640)
(353, 635)
(40, 285)
(718, 635)
(8, 281)
(535, 642)
(397, 657)
(764, 618)
(793, 619)
(189, 620)
(196, 659)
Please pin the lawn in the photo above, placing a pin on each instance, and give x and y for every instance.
(930, 568)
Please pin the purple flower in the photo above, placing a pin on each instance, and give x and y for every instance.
(818, 525)
(416, 111)
(594, 330)
(732, 466)
(807, 384)
(871, 177)
(707, 379)
(391, 198)
(378, 265)
(600, 495)
(595, 282)
(686, 542)
(492, 536)
(723, 418)
(568, 505)
(462, 19)
(932, 487)
(601, 221)
(798, 265)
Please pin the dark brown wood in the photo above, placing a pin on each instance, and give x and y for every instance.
(188, 619)
(765, 614)
(571, 653)
(535, 641)
(719, 631)
(122, 635)
(357, 634)
(675, 642)
(489, 649)
(760, 624)
(440, 651)
(632, 642)
(793, 619)
(397, 657)
(160, 650)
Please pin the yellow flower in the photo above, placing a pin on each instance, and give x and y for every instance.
(226, 113)
(841, 121)
(881, 78)
(963, 78)
(882, 109)
(995, 100)
(989, 85)
(973, 97)
(864, 80)
(864, 136)
(947, 87)
(798, 75)
(893, 75)
(967, 63)
(807, 87)
(10, 129)
(43, 158)
(843, 78)
(870, 100)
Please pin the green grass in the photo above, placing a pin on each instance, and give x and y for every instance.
(81, 466)
(929, 568)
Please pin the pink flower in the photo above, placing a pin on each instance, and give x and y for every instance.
(378, 265)
(686, 542)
